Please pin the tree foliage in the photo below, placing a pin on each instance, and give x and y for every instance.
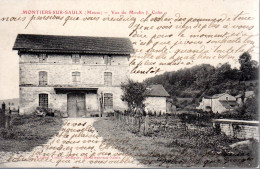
(205, 79)
(248, 67)
(134, 93)
(249, 110)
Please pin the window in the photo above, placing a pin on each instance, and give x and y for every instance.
(75, 58)
(108, 101)
(108, 79)
(107, 60)
(226, 98)
(76, 76)
(43, 100)
(42, 58)
(43, 78)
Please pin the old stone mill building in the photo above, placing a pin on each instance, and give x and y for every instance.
(74, 74)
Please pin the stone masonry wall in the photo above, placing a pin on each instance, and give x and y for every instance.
(29, 99)
(155, 104)
(242, 129)
(59, 70)
(66, 59)
(118, 104)
(59, 74)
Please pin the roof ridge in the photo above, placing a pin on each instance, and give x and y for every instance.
(74, 36)
(65, 44)
(157, 90)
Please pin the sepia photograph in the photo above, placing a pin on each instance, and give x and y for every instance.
(129, 84)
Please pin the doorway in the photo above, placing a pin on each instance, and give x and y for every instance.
(76, 104)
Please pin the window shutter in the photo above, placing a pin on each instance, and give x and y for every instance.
(108, 79)
(43, 100)
(76, 76)
(107, 60)
(75, 58)
(42, 58)
(108, 101)
(43, 77)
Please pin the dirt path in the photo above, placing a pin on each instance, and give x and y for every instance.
(78, 144)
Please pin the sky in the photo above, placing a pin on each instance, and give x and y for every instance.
(9, 60)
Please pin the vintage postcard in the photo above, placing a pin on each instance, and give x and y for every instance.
(129, 84)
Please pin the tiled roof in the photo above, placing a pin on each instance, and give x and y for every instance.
(157, 90)
(70, 44)
(215, 96)
(228, 104)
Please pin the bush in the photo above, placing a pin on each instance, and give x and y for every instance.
(42, 111)
(201, 119)
(109, 114)
(29, 127)
(150, 113)
(7, 133)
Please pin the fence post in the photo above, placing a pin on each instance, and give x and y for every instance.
(146, 124)
(139, 123)
(127, 119)
(2, 118)
(7, 121)
(3, 106)
(133, 122)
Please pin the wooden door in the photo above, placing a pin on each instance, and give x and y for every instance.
(76, 104)
(81, 106)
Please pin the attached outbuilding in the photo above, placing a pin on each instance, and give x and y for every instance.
(157, 99)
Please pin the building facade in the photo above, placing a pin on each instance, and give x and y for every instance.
(76, 75)
(157, 99)
(218, 103)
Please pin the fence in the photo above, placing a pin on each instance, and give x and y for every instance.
(5, 118)
(147, 125)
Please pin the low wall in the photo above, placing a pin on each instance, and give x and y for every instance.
(238, 128)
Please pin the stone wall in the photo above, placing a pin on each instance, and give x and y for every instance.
(238, 128)
(59, 70)
(58, 74)
(89, 59)
(29, 99)
(92, 103)
(155, 104)
(117, 92)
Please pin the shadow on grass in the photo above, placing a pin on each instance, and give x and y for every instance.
(177, 149)
(27, 132)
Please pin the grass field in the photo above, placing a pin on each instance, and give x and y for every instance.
(28, 131)
(191, 148)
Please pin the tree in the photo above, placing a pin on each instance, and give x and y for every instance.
(247, 66)
(134, 93)
(249, 110)
(252, 108)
